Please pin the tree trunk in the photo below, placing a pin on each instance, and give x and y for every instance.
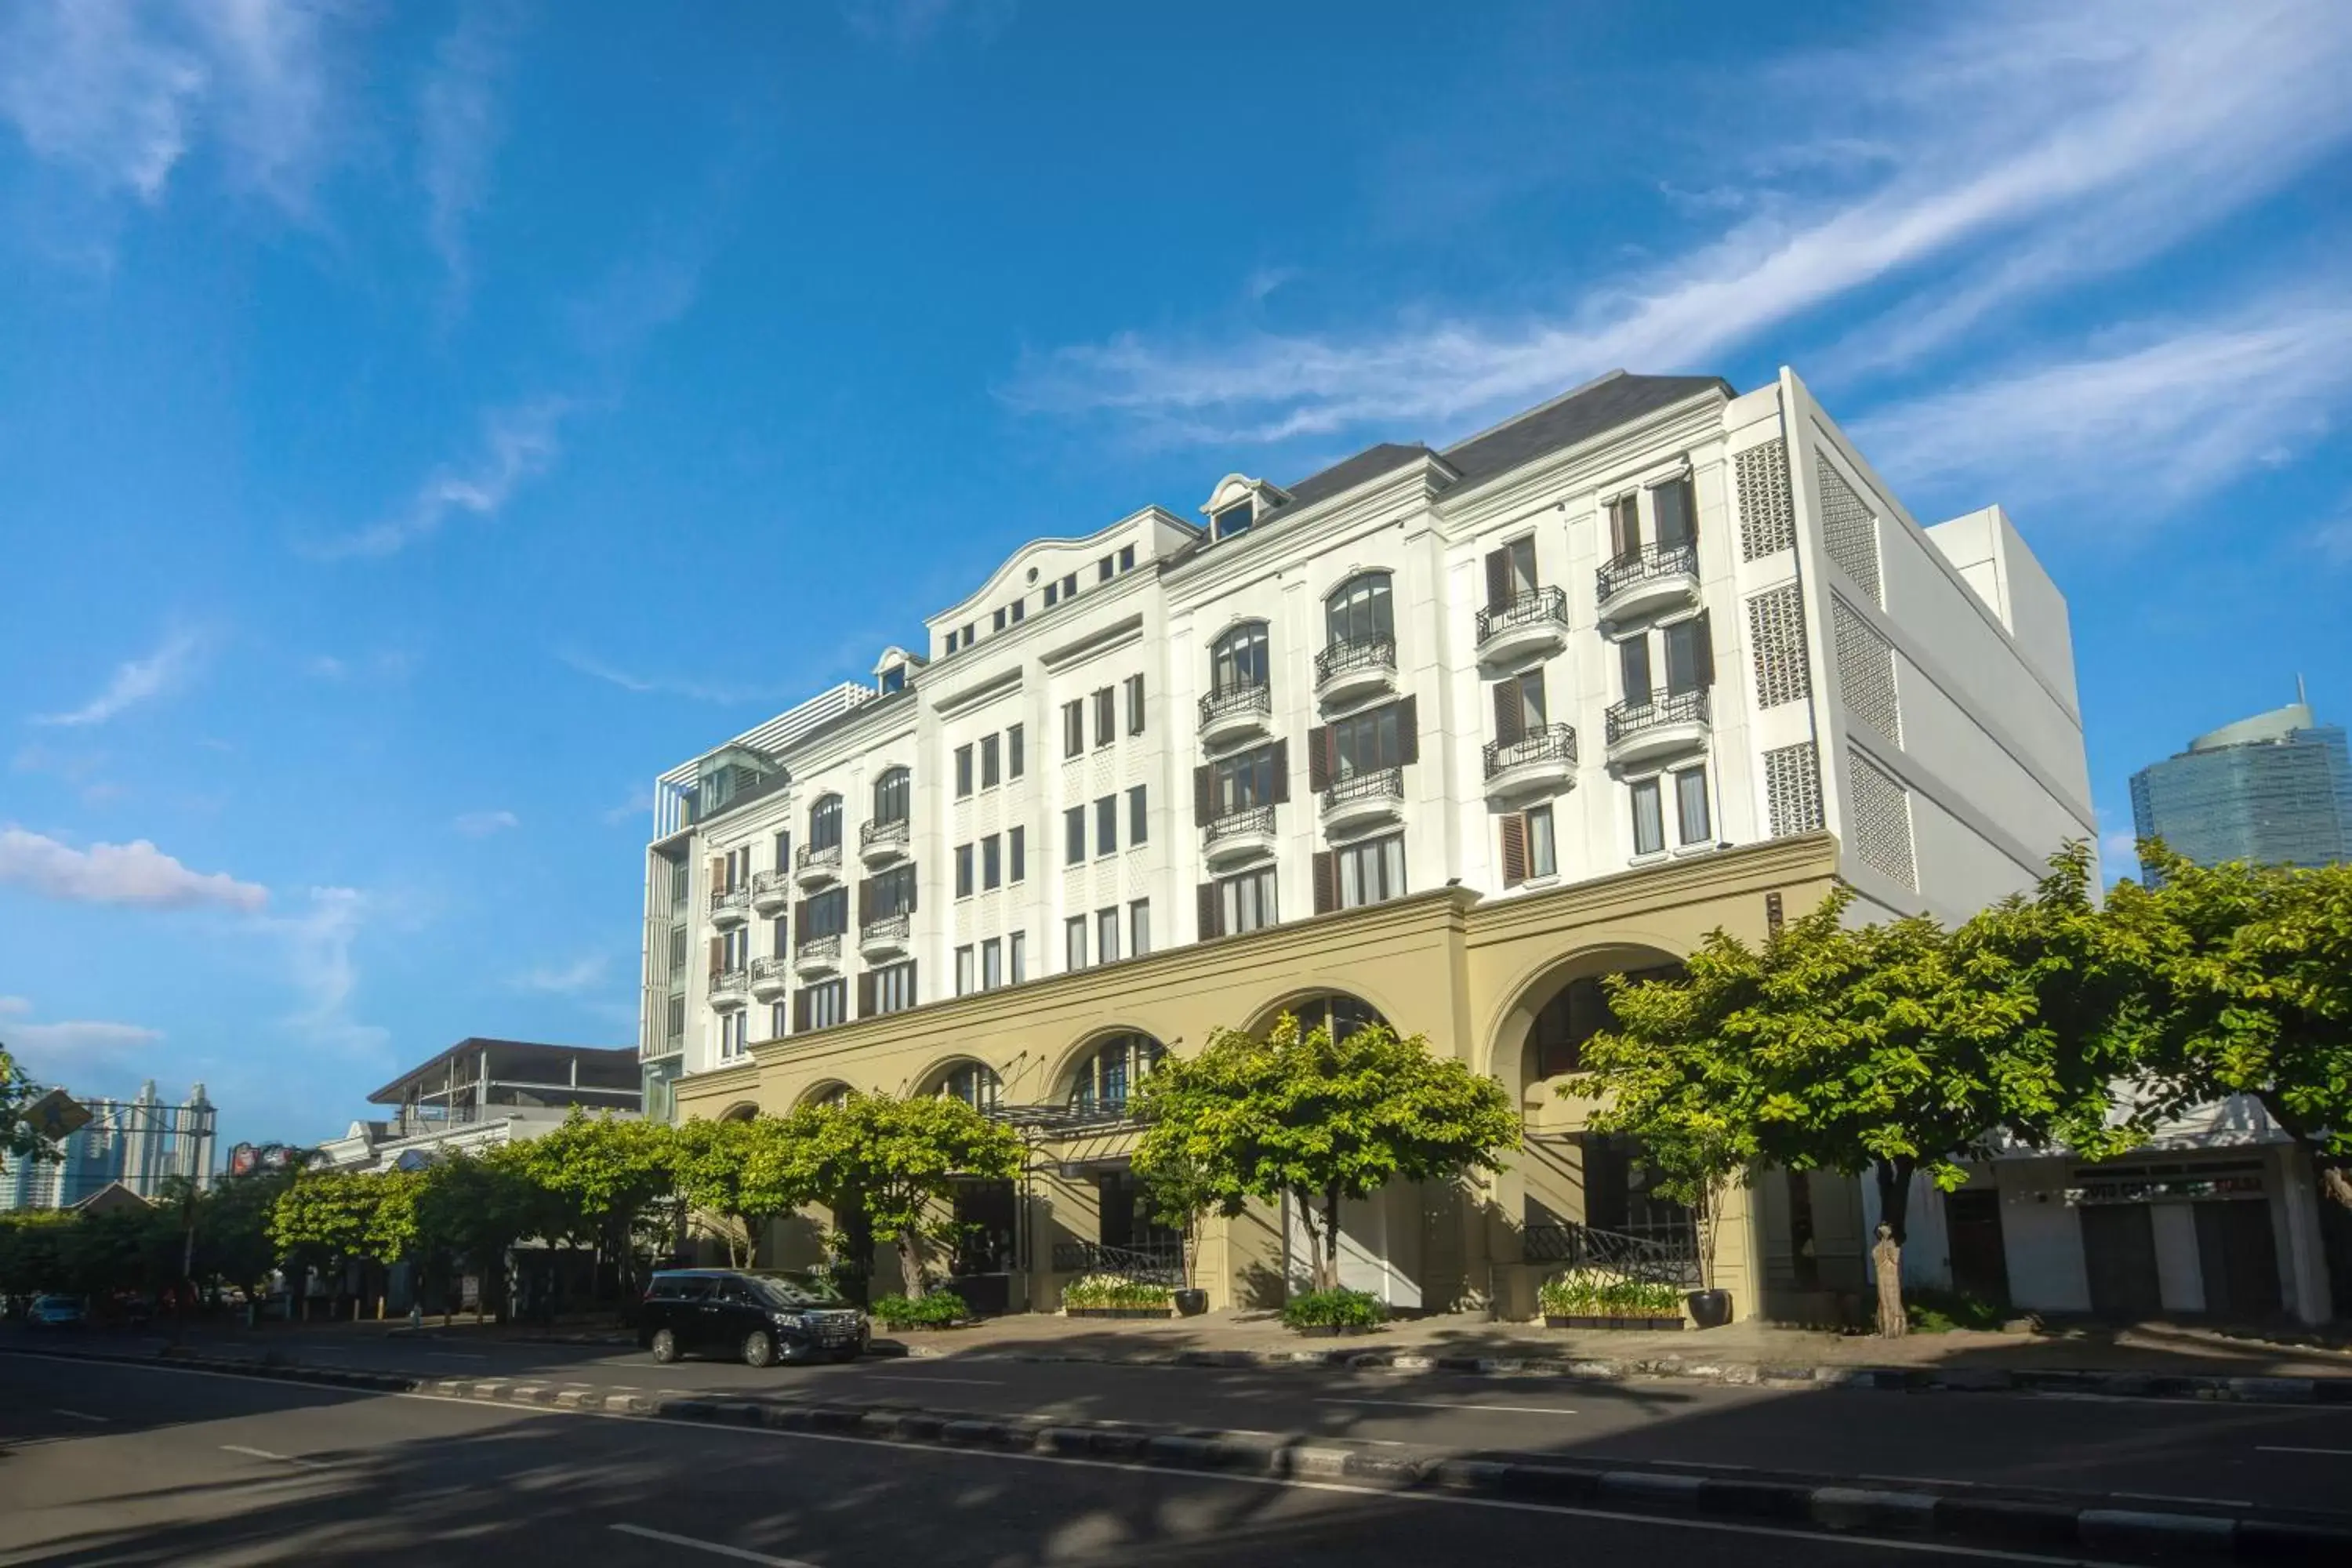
(910, 1265)
(1886, 1256)
(1331, 1240)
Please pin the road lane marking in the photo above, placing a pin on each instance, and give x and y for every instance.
(79, 1415)
(2283, 1448)
(456, 1355)
(907, 1377)
(1443, 1404)
(713, 1547)
(266, 1454)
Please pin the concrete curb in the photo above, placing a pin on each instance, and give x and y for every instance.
(1800, 1503)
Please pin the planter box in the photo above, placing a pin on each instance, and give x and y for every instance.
(1117, 1311)
(1664, 1325)
(1329, 1330)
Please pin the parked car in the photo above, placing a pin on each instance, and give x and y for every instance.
(56, 1312)
(761, 1316)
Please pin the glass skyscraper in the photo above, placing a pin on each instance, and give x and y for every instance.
(2276, 789)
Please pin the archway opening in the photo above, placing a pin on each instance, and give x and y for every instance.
(1342, 1012)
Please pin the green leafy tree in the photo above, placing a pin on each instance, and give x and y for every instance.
(894, 1163)
(1300, 1114)
(2252, 994)
(743, 1173)
(31, 1255)
(233, 1230)
(607, 1174)
(19, 1139)
(1181, 1192)
(321, 1219)
(475, 1208)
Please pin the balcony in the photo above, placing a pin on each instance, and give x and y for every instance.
(771, 891)
(819, 955)
(1240, 712)
(1346, 670)
(1240, 835)
(731, 907)
(1541, 762)
(1368, 800)
(1534, 625)
(1665, 724)
(730, 988)
(879, 843)
(884, 938)
(1657, 578)
(770, 978)
(813, 867)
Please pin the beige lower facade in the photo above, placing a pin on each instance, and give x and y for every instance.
(1505, 986)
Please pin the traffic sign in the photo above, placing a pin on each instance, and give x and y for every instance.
(56, 1114)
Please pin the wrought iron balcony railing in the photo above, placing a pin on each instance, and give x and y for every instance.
(1672, 707)
(1233, 824)
(892, 831)
(730, 900)
(1650, 560)
(1550, 743)
(811, 856)
(728, 981)
(820, 949)
(1380, 783)
(769, 885)
(1526, 607)
(890, 928)
(1217, 705)
(1339, 657)
(773, 967)
(1162, 1264)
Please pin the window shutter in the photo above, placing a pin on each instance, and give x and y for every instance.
(800, 1011)
(718, 878)
(1499, 579)
(1408, 730)
(911, 992)
(866, 995)
(1318, 758)
(1204, 795)
(800, 916)
(1210, 910)
(1327, 882)
(1509, 729)
(865, 898)
(1703, 655)
(717, 953)
(1281, 772)
(1515, 850)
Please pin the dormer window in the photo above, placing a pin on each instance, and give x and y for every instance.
(892, 679)
(1234, 519)
(1236, 504)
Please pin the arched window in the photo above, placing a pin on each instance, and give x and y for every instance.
(1342, 1012)
(891, 793)
(827, 1094)
(1108, 1075)
(973, 1083)
(825, 823)
(1358, 611)
(1238, 659)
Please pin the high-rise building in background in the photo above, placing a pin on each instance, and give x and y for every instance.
(141, 1143)
(2276, 789)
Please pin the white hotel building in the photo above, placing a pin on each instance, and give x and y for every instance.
(1436, 735)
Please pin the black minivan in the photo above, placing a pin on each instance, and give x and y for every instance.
(761, 1316)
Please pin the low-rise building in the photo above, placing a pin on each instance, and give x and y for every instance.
(481, 1093)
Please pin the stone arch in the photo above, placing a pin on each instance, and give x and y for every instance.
(741, 1110)
(1300, 1001)
(825, 1091)
(1542, 979)
(1084, 1066)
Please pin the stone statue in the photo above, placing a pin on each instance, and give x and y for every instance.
(1886, 1259)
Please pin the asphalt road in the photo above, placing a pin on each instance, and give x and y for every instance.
(2279, 1456)
(125, 1465)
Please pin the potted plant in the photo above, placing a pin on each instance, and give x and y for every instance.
(1596, 1298)
(1710, 1308)
(1180, 1196)
(1114, 1296)
(1322, 1313)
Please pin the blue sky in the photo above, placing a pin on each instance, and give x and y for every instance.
(422, 424)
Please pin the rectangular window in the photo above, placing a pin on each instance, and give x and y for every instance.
(1074, 940)
(894, 987)
(991, 965)
(1019, 942)
(1543, 851)
(1690, 804)
(1074, 835)
(1649, 825)
(963, 971)
(990, 753)
(1633, 659)
(1103, 569)
(779, 939)
(1138, 927)
(1531, 695)
(1674, 512)
(1070, 585)
(1135, 705)
(992, 862)
(963, 871)
(1019, 608)
(1013, 758)
(1106, 936)
(1246, 782)
(891, 893)
(824, 1005)
(1105, 715)
(828, 914)
(1138, 817)
(1127, 558)
(1246, 903)
(1016, 844)
(1074, 727)
(963, 771)
(1367, 742)
(784, 861)
(1000, 622)
(737, 948)
(1626, 528)
(1688, 663)
(1053, 594)
(1107, 824)
(780, 1016)
(1520, 555)
(1372, 872)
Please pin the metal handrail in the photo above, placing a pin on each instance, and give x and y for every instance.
(1162, 1265)
(809, 855)
(1255, 820)
(1650, 561)
(890, 928)
(1235, 699)
(1341, 657)
(1667, 1252)
(1673, 707)
(1381, 782)
(1551, 744)
(893, 830)
(817, 949)
(766, 882)
(1527, 605)
(773, 967)
(729, 980)
(725, 899)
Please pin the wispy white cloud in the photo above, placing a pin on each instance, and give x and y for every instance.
(70, 1047)
(582, 974)
(136, 680)
(907, 22)
(458, 128)
(2170, 412)
(319, 966)
(482, 823)
(640, 804)
(517, 443)
(121, 91)
(2122, 126)
(136, 873)
(662, 685)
